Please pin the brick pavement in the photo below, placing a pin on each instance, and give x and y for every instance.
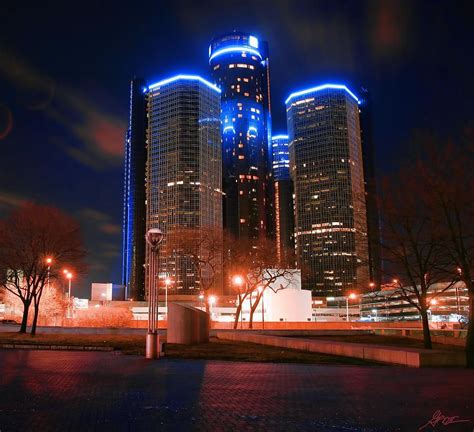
(79, 391)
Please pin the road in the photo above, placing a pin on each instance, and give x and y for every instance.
(91, 391)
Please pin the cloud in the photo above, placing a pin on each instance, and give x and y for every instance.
(9, 200)
(100, 220)
(93, 214)
(109, 228)
(99, 135)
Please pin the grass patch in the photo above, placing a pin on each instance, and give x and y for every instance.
(214, 350)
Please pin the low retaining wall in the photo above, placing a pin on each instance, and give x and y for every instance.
(399, 356)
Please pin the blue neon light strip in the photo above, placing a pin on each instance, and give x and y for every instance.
(234, 49)
(229, 128)
(279, 137)
(319, 88)
(251, 128)
(187, 78)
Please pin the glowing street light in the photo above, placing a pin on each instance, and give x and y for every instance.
(351, 296)
(201, 298)
(49, 261)
(238, 280)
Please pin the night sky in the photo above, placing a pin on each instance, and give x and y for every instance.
(65, 71)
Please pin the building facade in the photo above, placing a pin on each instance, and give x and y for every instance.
(327, 170)
(283, 192)
(370, 181)
(239, 66)
(134, 210)
(184, 168)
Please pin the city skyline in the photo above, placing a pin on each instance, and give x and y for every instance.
(77, 112)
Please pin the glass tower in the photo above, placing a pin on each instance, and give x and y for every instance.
(283, 192)
(239, 66)
(327, 170)
(184, 167)
(134, 211)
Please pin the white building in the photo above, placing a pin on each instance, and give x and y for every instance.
(107, 292)
(283, 300)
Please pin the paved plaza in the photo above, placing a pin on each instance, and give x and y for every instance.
(91, 391)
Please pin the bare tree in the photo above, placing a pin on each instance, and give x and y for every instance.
(203, 247)
(28, 237)
(251, 267)
(412, 244)
(449, 178)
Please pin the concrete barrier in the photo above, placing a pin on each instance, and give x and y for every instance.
(187, 325)
(411, 357)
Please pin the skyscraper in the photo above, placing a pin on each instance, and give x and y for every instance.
(370, 180)
(327, 170)
(134, 211)
(283, 192)
(184, 168)
(239, 66)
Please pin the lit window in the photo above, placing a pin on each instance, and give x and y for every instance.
(231, 66)
(241, 157)
(242, 220)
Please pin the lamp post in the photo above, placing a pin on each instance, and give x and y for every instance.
(239, 281)
(351, 296)
(153, 237)
(69, 278)
(167, 283)
(260, 290)
(49, 261)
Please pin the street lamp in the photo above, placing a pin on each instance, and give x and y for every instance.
(153, 237)
(49, 261)
(69, 278)
(167, 283)
(260, 290)
(351, 296)
(201, 298)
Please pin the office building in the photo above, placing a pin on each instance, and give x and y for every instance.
(184, 168)
(134, 211)
(239, 66)
(370, 181)
(283, 193)
(327, 170)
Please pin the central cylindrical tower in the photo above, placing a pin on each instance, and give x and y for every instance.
(239, 65)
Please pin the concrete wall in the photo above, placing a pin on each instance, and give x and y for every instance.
(187, 325)
(393, 355)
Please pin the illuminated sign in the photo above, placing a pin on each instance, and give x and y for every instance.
(253, 41)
